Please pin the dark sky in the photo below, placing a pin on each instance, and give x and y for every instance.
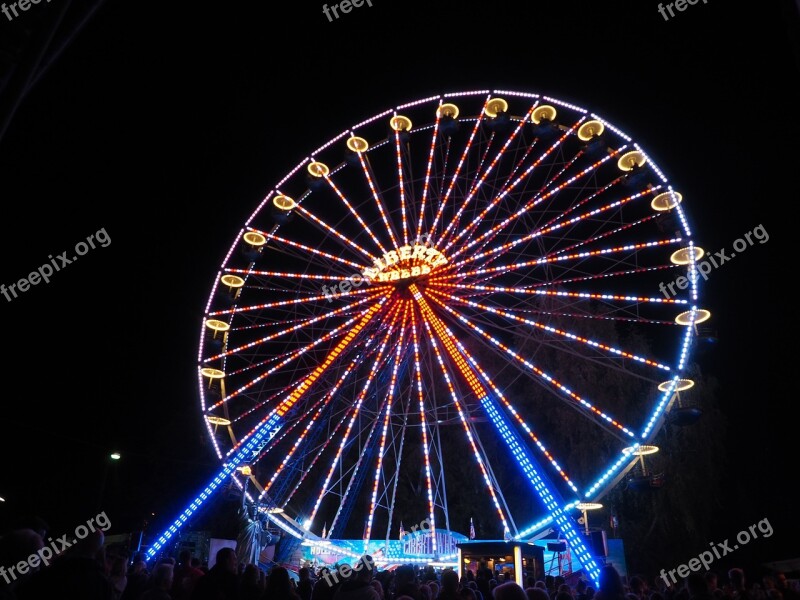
(165, 124)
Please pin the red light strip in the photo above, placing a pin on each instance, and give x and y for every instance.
(464, 154)
(354, 213)
(561, 332)
(394, 310)
(537, 370)
(378, 201)
(488, 171)
(424, 426)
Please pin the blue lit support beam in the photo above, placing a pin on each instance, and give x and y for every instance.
(546, 491)
(555, 506)
(267, 429)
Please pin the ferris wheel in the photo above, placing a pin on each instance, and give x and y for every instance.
(467, 279)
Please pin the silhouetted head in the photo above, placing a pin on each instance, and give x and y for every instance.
(509, 591)
(226, 559)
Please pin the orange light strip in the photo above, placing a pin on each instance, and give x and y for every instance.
(299, 325)
(331, 334)
(429, 318)
(373, 371)
(334, 354)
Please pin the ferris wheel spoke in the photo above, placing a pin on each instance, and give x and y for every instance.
(508, 189)
(546, 193)
(401, 185)
(327, 228)
(394, 311)
(553, 384)
(386, 419)
(455, 177)
(579, 296)
(555, 331)
(348, 312)
(292, 356)
(514, 413)
(368, 174)
(291, 399)
(553, 225)
(346, 202)
(426, 184)
(320, 407)
(423, 426)
(558, 259)
(307, 249)
(318, 452)
(491, 486)
(482, 179)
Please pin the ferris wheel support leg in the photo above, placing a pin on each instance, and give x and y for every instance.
(546, 491)
(265, 433)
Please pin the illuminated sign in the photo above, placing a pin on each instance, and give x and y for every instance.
(409, 261)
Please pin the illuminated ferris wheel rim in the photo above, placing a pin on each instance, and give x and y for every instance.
(397, 261)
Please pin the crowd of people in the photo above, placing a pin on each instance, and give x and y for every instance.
(87, 571)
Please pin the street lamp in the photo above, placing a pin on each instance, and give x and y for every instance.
(112, 458)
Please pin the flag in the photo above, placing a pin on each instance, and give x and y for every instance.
(402, 531)
(366, 527)
(325, 530)
(471, 529)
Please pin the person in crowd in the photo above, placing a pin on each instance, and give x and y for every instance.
(509, 591)
(359, 586)
(221, 582)
(250, 584)
(610, 587)
(185, 576)
(305, 586)
(161, 583)
(79, 573)
(279, 585)
(16, 547)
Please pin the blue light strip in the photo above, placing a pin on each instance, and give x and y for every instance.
(557, 512)
(267, 430)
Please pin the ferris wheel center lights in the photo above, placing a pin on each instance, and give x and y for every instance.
(430, 257)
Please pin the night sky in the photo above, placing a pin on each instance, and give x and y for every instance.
(166, 123)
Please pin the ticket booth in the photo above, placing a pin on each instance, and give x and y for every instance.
(520, 559)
